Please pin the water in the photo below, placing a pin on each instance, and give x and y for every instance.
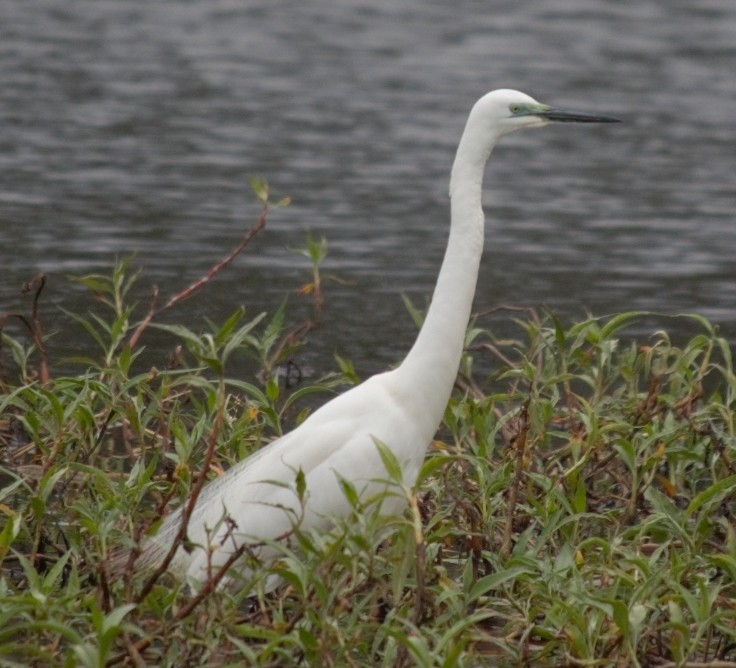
(131, 127)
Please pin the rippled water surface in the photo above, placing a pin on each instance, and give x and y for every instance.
(131, 127)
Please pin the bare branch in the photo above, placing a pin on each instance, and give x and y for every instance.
(193, 287)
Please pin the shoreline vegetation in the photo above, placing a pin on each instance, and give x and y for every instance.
(577, 506)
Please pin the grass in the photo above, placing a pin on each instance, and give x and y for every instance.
(576, 508)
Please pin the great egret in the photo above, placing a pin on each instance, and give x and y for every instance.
(401, 408)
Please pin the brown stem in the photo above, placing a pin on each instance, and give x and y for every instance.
(292, 337)
(507, 307)
(189, 507)
(505, 550)
(145, 322)
(193, 287)
(34, 325)
(38, 282)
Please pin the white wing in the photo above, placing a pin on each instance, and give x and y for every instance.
(259, 494)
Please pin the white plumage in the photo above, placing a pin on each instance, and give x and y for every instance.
(401, 408)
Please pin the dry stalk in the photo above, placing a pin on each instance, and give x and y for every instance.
(33, 325)
(187, 292)
(520, 445)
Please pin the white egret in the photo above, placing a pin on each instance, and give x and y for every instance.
(401, 408)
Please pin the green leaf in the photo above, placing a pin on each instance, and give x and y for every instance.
(725, 562)
(559, 332)
(580, 500)
(9, 533)
(716, 493)
(251, 390)
(229, 325)
(620, 321)
(492, 582)
(260, 188)
(114, 618)
(301, 485)
(416, 315)
(9, 488)
(53, 575)
(350, 493)
(48, 482)
(182, 332)
(88, 327)
(390, 463)
(237, 339)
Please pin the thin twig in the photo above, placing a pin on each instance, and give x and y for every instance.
(38, 282)
(505, 550)
(506, 307)
(207, 589)
(188, 508)
(291, 338)
(193, 287)
(146, 321)
(33, 325)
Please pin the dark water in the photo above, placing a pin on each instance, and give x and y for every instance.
(132, 126)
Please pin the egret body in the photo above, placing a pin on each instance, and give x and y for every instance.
(401, 408)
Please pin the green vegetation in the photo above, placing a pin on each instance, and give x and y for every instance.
(577, 507)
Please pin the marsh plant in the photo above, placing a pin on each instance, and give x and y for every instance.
(576, 508)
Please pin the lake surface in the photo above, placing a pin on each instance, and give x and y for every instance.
(132, 127)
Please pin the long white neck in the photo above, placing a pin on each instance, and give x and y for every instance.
(430, 368)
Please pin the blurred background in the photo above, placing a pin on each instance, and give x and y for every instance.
(131, 127)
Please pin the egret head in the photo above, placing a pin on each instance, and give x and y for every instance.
(508, 110)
